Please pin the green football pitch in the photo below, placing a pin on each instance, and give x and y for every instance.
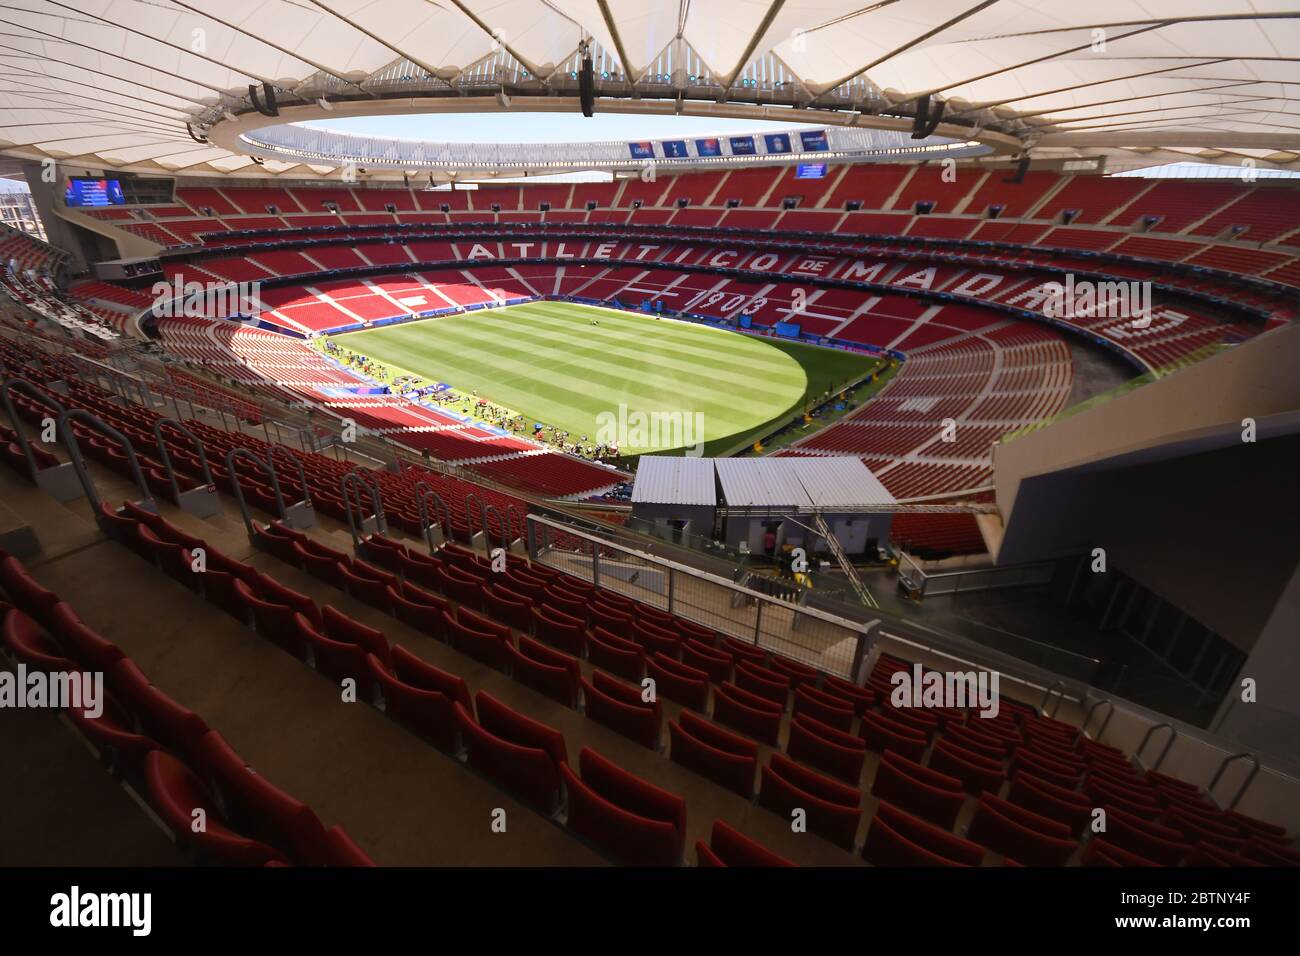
(550, 363)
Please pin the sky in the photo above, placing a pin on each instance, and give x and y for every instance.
(508, 127)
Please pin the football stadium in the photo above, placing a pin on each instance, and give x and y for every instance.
(543, 433)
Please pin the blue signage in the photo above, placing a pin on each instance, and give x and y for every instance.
(814, 141)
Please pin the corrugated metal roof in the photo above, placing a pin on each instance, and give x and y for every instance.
(840, 481)
(800, 483)
(761, 482)
(758, 482)
(674, 480)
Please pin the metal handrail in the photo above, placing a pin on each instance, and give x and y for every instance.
(35, 391)
(350, 486)
(1250, 777)
(1087, 717)
(1059, 687)
(513, 512)
(69, 439)
(423, 493)
(1137, 754)
(167, 458)
(302, 474)
(482, 518)
(268, 468)
(489, 510)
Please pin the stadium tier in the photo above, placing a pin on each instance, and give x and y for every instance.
(863, 467)
(1053, 771)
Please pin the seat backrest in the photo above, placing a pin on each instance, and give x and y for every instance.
(343, 628)
(631, 792)
(509, 724)
(420, 673)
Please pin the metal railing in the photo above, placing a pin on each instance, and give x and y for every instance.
(920, 583)
(810, 636)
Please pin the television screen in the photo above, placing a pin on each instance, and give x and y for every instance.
(94, 192)
(810, 171)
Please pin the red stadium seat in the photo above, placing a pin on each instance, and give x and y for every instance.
(919, 790)
(27, 594)
(114, 734)
(798, 674)
(729, 847)
(753, 716)
(705, 657)
(427, 712)
(259, 809)
(277, 623)
(560, 630)
(510, 608)
(632, 820)
(178, 796)
(677, 681)
(829, 710)
(327, 567)
(1145, 838)
(712, 752)
(32, 646)
(766, 684)
(899, 839)
(617, 623)
(822, 746)
(612, 653)
(884, 736)
(546, 671)
(509, 724)
(339, 660)
(656, 639)
(176, 727)
(858, 697)
(271, 590)
(526, 770)
(83, 644)
(1016, 832)
(1070, 807)
(420, 609)
(976, 773)
(621, 708)
(418, 673)
(833, 810)
(1099, 852)
(486, 646)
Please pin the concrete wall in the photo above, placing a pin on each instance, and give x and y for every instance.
(1254, 380)
(1217, 533)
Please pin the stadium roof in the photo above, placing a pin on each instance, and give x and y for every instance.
(167, 85)
(675, 480)
(816, 483)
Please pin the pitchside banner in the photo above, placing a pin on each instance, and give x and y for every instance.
(814, 141)
(777, 142)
